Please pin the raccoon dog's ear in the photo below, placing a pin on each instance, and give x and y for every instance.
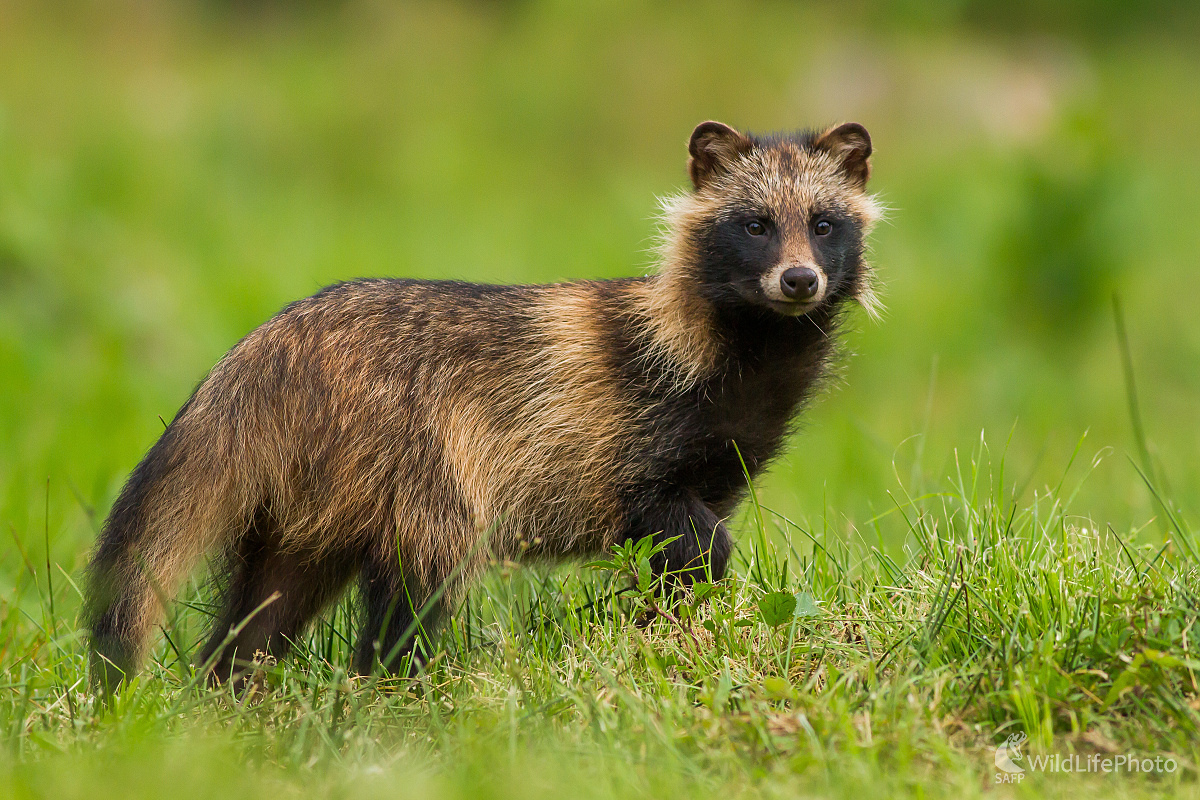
(851, 145)
(714, 147)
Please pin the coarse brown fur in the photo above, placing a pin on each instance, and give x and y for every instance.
(385, 428)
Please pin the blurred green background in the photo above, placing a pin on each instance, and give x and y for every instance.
(171, 174)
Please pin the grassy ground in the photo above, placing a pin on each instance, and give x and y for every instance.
(172, 174)
(825, 666)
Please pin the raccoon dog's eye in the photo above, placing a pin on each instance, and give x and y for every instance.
(756, 228)
(823, 227)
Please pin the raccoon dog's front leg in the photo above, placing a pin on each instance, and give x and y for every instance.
(698, 543)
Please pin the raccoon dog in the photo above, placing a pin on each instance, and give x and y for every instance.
(378, 429)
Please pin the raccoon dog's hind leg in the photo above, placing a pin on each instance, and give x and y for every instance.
(397, 616)
(269, 596)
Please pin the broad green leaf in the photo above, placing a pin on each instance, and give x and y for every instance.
(777, 608)
(806, 606)
(778, 688)
(644, 574)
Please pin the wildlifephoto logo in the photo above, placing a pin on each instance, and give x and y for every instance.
(1012, 764)
(1008, 756)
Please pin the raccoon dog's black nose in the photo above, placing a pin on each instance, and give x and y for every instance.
(799, 283)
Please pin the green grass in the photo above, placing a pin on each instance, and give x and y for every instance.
(823, 666)
(173, 174)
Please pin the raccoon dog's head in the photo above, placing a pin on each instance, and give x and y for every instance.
(777, 223)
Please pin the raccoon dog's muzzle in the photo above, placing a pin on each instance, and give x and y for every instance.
(795, 289)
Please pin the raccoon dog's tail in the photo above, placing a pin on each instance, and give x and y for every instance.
(181, 501)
